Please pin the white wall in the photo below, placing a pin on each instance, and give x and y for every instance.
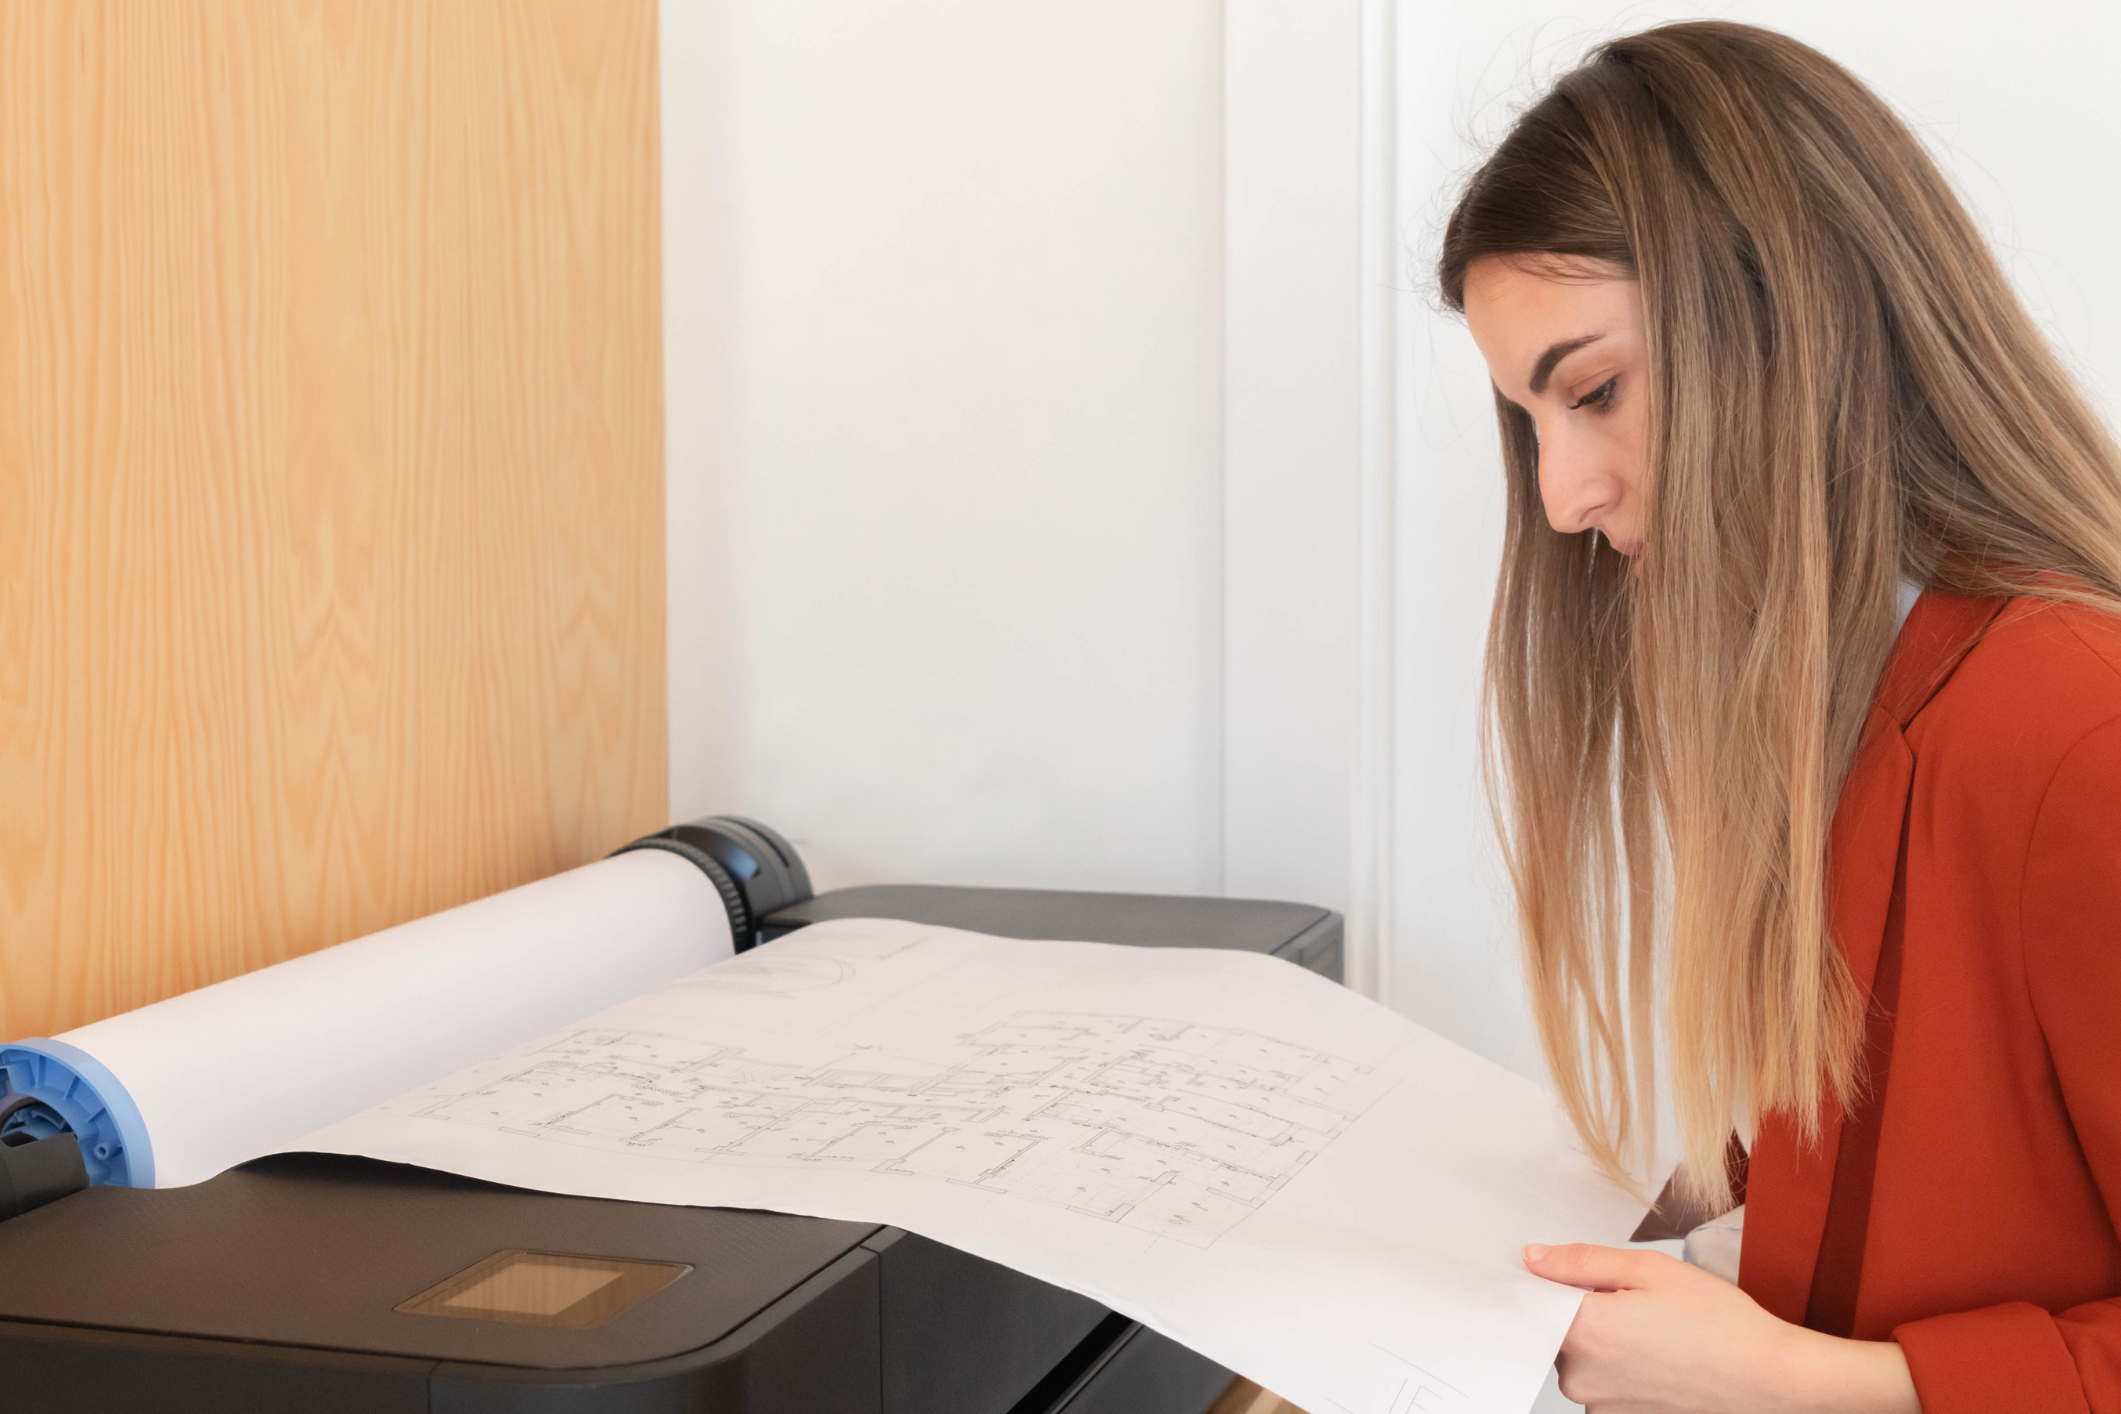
(1292, 361)
(944, 303)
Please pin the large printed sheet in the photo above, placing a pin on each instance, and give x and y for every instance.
(1288, 1178)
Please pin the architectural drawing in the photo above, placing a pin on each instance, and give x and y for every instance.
(1159, 1125)
(1290, 1179)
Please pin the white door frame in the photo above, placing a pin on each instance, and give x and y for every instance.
(1312, 272)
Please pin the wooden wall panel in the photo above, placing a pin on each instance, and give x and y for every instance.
(331, 547)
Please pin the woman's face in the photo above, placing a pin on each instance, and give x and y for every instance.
(1563, 341)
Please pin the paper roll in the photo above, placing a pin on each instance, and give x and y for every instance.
(214, 1077)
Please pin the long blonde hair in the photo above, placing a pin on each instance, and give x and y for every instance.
(1844, 393)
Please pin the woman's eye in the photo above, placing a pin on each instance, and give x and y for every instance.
(1599, 396)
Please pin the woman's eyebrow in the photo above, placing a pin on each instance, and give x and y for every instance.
(1544, 369)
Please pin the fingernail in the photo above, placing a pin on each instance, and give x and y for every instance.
(1535, 1251)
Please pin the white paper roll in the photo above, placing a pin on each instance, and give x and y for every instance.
(247, 1066)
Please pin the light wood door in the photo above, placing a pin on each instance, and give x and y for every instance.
(1244, 1397)
(331, 540)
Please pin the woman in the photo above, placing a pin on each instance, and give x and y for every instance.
(1758, 378)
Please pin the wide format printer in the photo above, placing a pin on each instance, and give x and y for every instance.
(323, 1283)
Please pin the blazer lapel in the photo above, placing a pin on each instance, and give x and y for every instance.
(1790, 1183)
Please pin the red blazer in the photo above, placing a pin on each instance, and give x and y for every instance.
(1967, 1208)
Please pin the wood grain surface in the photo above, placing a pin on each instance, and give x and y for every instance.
(331, 537)
(1244, 1397)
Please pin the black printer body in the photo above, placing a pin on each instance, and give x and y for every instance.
(325, 1284)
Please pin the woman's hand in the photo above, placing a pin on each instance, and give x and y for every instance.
(1656, 1336)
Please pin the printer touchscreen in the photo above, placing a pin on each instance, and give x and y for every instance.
(546, 1289)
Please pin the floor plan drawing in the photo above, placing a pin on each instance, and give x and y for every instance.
(1159, 1125)
(1286, 1177)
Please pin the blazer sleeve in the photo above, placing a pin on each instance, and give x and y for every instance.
(2019, 1357)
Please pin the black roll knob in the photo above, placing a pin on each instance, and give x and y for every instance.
(756, 871)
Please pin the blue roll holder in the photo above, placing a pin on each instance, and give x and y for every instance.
(49, 1087)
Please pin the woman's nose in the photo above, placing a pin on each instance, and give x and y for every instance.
(1576, 492)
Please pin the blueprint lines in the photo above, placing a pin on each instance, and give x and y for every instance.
(1156, 1124)
(1290, 1179)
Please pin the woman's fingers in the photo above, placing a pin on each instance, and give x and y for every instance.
(1597, 1268)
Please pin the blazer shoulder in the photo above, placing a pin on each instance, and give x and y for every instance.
(2043, 676)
